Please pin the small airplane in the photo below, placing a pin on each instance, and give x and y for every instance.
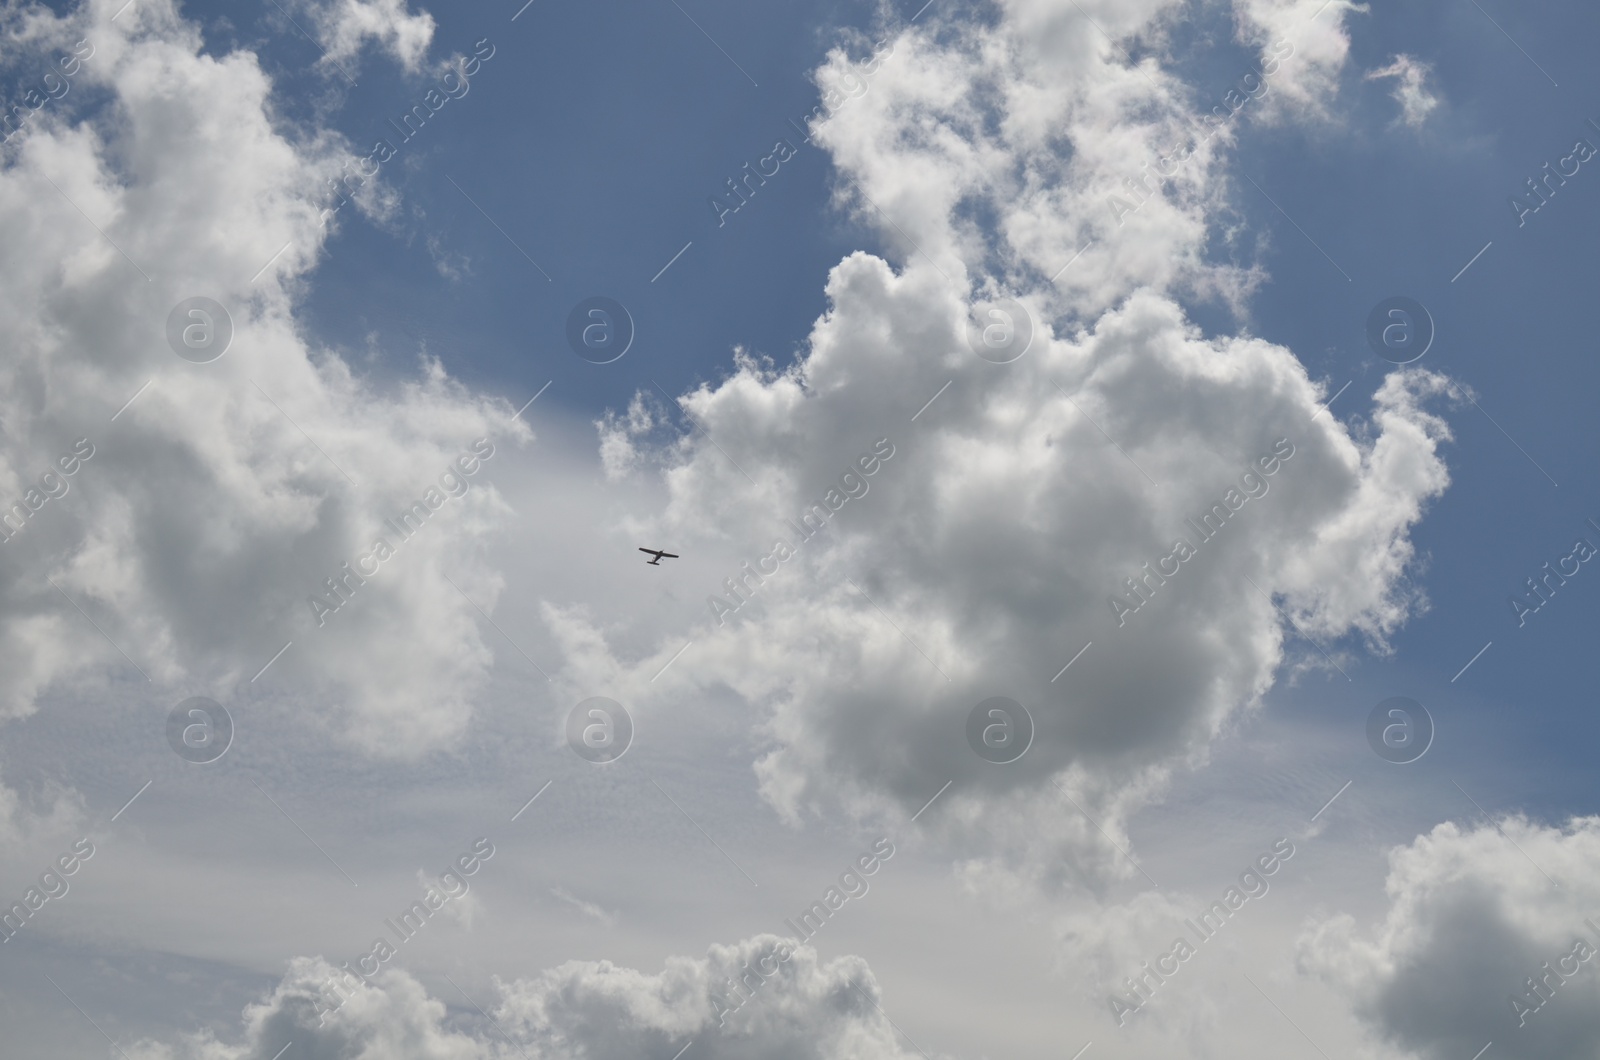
(659, 556)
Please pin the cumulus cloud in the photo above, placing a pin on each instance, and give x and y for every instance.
(225, 495)
(1410, 89)
(1039, 121)
(1034, 151)
(1472, 918)
(991, 545)
(1035, 505)
(759, 999)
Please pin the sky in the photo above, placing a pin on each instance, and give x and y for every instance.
(1125, 469)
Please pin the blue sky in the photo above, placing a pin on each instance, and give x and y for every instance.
(772, 747)
(653, 120)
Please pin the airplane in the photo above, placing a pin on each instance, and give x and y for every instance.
(659, 556)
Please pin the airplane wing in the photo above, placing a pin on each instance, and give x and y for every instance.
(652, 552)
(668, 555)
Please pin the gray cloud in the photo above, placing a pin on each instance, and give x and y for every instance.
(1472, 916)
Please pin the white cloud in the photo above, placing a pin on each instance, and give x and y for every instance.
(1040, 122)
(450, 265)
(1316, 28)
(217, 503)
(345, 26)
(803, 1009)
(1036, 119)
(1471, 917)
(1410, 88)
